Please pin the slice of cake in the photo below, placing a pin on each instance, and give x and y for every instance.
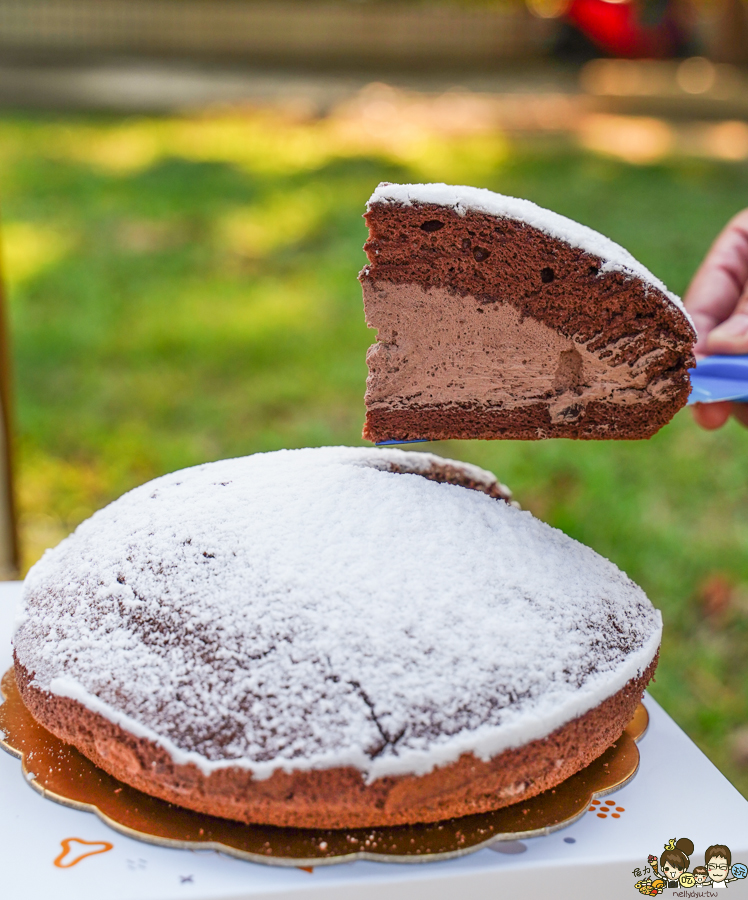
(499, 319)
(332, 638)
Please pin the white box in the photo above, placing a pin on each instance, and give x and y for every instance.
(676, 793)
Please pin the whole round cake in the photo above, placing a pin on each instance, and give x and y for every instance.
(332, 638)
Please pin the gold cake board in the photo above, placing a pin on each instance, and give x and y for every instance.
(61, 773)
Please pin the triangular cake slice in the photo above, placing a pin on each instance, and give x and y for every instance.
(499, 319)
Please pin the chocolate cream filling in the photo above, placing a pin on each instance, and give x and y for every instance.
(437, 347)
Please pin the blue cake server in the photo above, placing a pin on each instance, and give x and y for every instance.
(719, 378)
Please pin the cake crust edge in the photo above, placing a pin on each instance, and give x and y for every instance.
(339, 797)
(531, 422)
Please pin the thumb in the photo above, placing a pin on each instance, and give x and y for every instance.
(731, 336)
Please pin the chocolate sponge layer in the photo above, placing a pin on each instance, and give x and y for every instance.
(339, 797)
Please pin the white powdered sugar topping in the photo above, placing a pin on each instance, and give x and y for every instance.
(461, 199)
(312, 608)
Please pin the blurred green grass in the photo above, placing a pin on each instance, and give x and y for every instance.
(184, 289)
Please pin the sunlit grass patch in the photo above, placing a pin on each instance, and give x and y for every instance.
(279, 220)
(436, 142)
(30, 247)
(55, 494)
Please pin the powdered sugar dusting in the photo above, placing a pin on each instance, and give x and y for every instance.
(461, 198)
(310, 608)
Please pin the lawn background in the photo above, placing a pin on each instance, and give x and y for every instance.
(184, 289)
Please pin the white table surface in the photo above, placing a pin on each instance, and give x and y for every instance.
(676, 793)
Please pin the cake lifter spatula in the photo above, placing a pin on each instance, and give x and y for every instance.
(718, 378)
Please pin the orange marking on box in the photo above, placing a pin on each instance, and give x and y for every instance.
(67, 848)
(602, 815)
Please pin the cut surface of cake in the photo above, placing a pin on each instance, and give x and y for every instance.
(332, 638)
(499, 319)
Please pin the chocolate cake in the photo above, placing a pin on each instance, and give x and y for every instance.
(499, 319)
(332, 638)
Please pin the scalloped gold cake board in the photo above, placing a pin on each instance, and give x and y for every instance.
(58, 771)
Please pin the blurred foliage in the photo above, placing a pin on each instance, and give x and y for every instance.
(184, 289)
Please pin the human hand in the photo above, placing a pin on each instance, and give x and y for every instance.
(717, 300)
